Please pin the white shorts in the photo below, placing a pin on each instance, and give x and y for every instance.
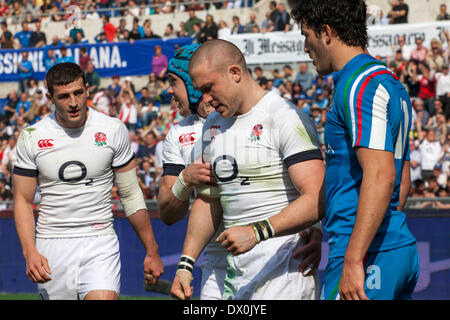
(80, 265)
(269, 272)
(214, 270)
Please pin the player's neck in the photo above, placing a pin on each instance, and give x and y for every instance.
(344, 54)
(251, 100)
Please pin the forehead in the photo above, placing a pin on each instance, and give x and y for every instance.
(70, 87)
(202, 74)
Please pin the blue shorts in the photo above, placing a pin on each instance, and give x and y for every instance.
(390, 275)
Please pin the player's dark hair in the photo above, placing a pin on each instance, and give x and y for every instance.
(347, 18)
(62, 74)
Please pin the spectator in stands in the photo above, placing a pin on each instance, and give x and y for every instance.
(410, 77)
(234, 4)
(399, 12)
(267, 24)
(134, 33)
(49, 59)
(3, 8)
(148, 33)
(128, 106)
(398, 64)
(56, 42)
(443, 15)
(443, 85)
(92, 78)
(147, 110)
(56, 13)
(182, 33)
(23, 36)
(401, 45)
(38, 38)
(197, 35)
(76, 35)
(282, 19)
(427, 87)
(415, 159)
(273, 11)
(288, 73)
(64, 57)
(237, 26)
(441, 178)
(320, 100)
(210, 30)
(434, 56)
(115, 85)
(148, 147)
(7, 39)
(260, 78)
(92, 14)
(304, 77)
(25, 71)
(248, 28)
(189, 24)
(419, 54)
(430, 151)
(169, 32)
(9, 157)
(84, 59)
(421, 112)
(121, 29)
(5, 191)
(103, 101)
(41, 99)
(159, 63)
(224, 32)
(108, 28)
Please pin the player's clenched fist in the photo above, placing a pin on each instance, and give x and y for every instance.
(196, 174)
(237, 240)
(181, 286)
(37, 268)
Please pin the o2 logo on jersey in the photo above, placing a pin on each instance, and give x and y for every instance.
(226, 169)
(187, 138)
(73, 171)
(45, 144)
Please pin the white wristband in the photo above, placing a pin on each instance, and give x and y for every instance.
(180, 190)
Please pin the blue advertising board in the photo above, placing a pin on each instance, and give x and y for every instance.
(432, 233)
(121, 58)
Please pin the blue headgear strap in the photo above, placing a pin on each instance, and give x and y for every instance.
(179, 65)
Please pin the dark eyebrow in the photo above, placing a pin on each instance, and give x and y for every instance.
(205, 86)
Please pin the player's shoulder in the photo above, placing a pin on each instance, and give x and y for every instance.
(280, 109)
(100, 119)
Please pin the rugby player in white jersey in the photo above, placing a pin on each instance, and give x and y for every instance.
(183, 167)
(263, 151)
(75, 155)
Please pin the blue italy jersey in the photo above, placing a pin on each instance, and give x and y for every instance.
(370, 109)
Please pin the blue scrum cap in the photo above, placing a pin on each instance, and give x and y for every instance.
(179, 66)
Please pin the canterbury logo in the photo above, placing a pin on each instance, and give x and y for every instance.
(45, 143)
(187, 138)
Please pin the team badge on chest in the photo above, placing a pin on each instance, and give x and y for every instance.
(256, 133)
(100, 139)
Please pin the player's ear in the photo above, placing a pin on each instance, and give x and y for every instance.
(327, 33)
(235, 72)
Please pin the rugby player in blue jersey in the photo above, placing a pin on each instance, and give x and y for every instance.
(372, 254)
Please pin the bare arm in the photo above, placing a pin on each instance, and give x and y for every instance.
(375, 194)
(37, 268)
(307, 209)
(140, 221)
(204, 220)
(173, 209)
(405, 185)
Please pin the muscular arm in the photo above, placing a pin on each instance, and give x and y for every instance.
(140, 221)
(24, 191)
(171, 209)
(308, 177)
(405, 185)
(375, 194)
(204, 219)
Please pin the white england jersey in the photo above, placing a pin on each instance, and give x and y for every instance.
(75, 174)
(183, 147)
(250, 155)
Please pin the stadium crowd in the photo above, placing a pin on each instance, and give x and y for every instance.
(423, 69)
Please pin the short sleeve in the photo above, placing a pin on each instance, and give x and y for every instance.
(298, 139)
(25, 164)
(123, 152)
(172, 160)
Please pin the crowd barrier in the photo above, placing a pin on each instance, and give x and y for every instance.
(430, 227)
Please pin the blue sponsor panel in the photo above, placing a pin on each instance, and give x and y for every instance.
(432, 233)
(121, 58)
